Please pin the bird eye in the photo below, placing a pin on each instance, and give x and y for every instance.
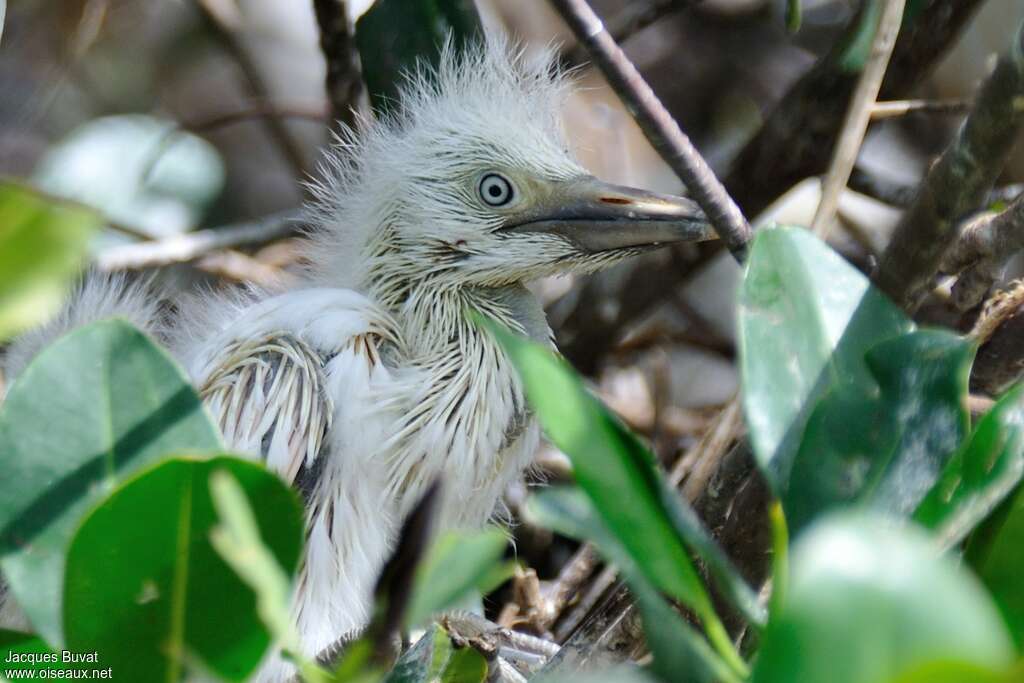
(496, 190)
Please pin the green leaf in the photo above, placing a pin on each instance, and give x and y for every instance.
(844, 400)
(806, 320)
(394, 35)
(43, 245)
(981, 474)
(434, 658)
(456, 565)
(610, 466)
(237, 540)
(92, 408)
(886, 448)
(869, 601)
(854, 55)
(794, 15)
(145, 586)
(681, 655)
(996, 552)
(945, 671)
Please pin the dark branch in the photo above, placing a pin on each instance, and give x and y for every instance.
(337, 41)
(797, 138)
(957, 183)
(657, 124)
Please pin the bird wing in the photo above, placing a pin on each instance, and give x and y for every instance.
(264, 376)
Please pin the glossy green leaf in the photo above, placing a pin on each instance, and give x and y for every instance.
(89, 410)
(681, 655)
(869, 601)
(145, 586)
(981, 474)
(43, 245)
(885, 449)
(434, 658)
(806, 321)
(394, 35)
(610, 467)
(455, 566)
(844, 400)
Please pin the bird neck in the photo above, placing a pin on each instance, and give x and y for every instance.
(437, 319)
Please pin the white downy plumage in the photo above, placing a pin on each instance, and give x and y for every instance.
(371, 378)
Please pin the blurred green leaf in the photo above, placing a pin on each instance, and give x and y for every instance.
(456, 565)
(393, 35)
(945, 671)
(145, 586)
(137, 170)
(89, 410)
(681, 655)
(3, 15)
(434, 658)
(610, 466)
(996, 552)
(794, 15)
(43, 245)
(854, 54)
(980, 475)
(844, 400)
(868, 601)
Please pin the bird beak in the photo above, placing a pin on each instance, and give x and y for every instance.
(597, 216)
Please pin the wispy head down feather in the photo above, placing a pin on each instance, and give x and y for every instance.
(404, 181)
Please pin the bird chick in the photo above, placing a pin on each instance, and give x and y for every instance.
(371, 378)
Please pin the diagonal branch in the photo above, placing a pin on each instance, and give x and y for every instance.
(657, 124)
(957, 183)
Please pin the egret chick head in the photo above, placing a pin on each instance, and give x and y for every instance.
(469, 182)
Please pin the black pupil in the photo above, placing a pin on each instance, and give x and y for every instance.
(495, 190)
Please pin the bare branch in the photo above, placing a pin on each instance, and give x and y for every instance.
(255, 84)
(1000, 360)
(858, 116)
(957, 183)
(897, 108)
(657, 124)
(337, 42)
(190, 246)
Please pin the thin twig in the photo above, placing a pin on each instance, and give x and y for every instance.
(858, 116)
(957, 183)
(657, 124)
(710, 450)
(256, 86)
(190, 246)
(238, 267)
(568, 583)
(337, 42)
(897, 108)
